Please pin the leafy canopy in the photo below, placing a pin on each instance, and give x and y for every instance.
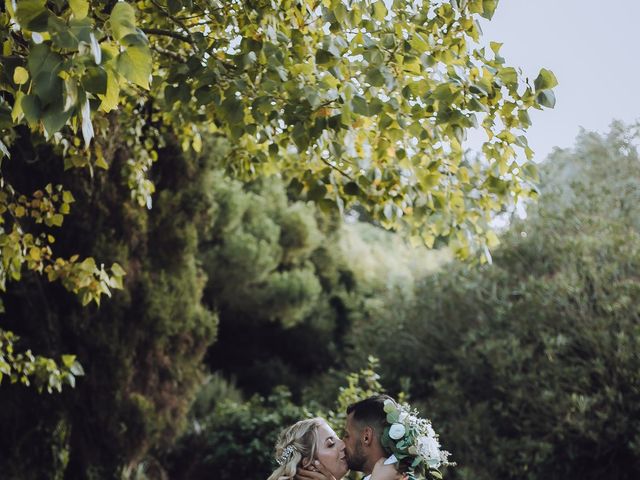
(349, 101)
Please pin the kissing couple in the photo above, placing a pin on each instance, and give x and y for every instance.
(311, 450)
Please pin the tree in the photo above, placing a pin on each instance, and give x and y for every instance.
(142, 351)
(282, 288)
(350, 102)
(529, 365)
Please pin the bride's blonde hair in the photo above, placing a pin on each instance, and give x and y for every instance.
(296, 444)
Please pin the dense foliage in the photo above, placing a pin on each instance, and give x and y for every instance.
(529, 366)
(227, 433)
(284, 295)
(351, 102)
(142, 351)
(347, 99)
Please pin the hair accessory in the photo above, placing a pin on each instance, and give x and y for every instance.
(286, 453)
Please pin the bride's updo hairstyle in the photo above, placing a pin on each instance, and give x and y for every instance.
(296, 446)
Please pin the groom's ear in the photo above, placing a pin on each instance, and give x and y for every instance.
(367, 436)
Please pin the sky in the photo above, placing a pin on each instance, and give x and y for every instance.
(592, 46)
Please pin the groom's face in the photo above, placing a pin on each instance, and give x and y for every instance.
(353, 445)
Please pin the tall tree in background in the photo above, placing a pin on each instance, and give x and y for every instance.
(529, 366)
(142, 351)
(283, 290)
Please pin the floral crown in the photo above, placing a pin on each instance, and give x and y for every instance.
(413, 443)
(286, 453)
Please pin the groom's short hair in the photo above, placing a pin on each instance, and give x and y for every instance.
(370, 412)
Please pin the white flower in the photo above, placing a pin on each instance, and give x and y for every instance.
(403, 416)
(429, 448)
(430, 431)
(396, 432)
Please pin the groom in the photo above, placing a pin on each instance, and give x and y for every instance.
(366, 421)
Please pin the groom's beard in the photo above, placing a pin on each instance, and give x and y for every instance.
(357, 460)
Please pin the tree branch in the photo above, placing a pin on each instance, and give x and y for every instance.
(339, 170)
(168, 33)
(169, 53)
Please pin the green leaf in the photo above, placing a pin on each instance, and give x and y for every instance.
(20, 76)
(135, 65)
(509, 76)
(489, 8)
(122, 20)
(352, 188)
(77, 369)
(80, 8)
(32, 108)
(112, 96)
(359, 105)
(82, 29)
(55, 117)
(546, 98)
(95, 80)
(33, 15)
(545, 80)
(42, 59)
(68, 360)
(118, 270)
(61, 34)
(44, 66)
(379, 10)
(233, 110)
(523, 116)
(375, 77)
(48, 86)
(174, 6)
(324, 57)
(17, 112)
(137, 38)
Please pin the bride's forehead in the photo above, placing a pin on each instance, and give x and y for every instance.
(325, 431)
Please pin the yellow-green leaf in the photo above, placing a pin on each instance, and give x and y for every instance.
(17, 112)
(112, 96)
(80, 8)
(20, 75)
(134, 64)
(123, 20)
(20, 211)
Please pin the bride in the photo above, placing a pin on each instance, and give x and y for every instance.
(310, 449)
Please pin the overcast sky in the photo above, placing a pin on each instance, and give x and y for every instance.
(593, 48)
